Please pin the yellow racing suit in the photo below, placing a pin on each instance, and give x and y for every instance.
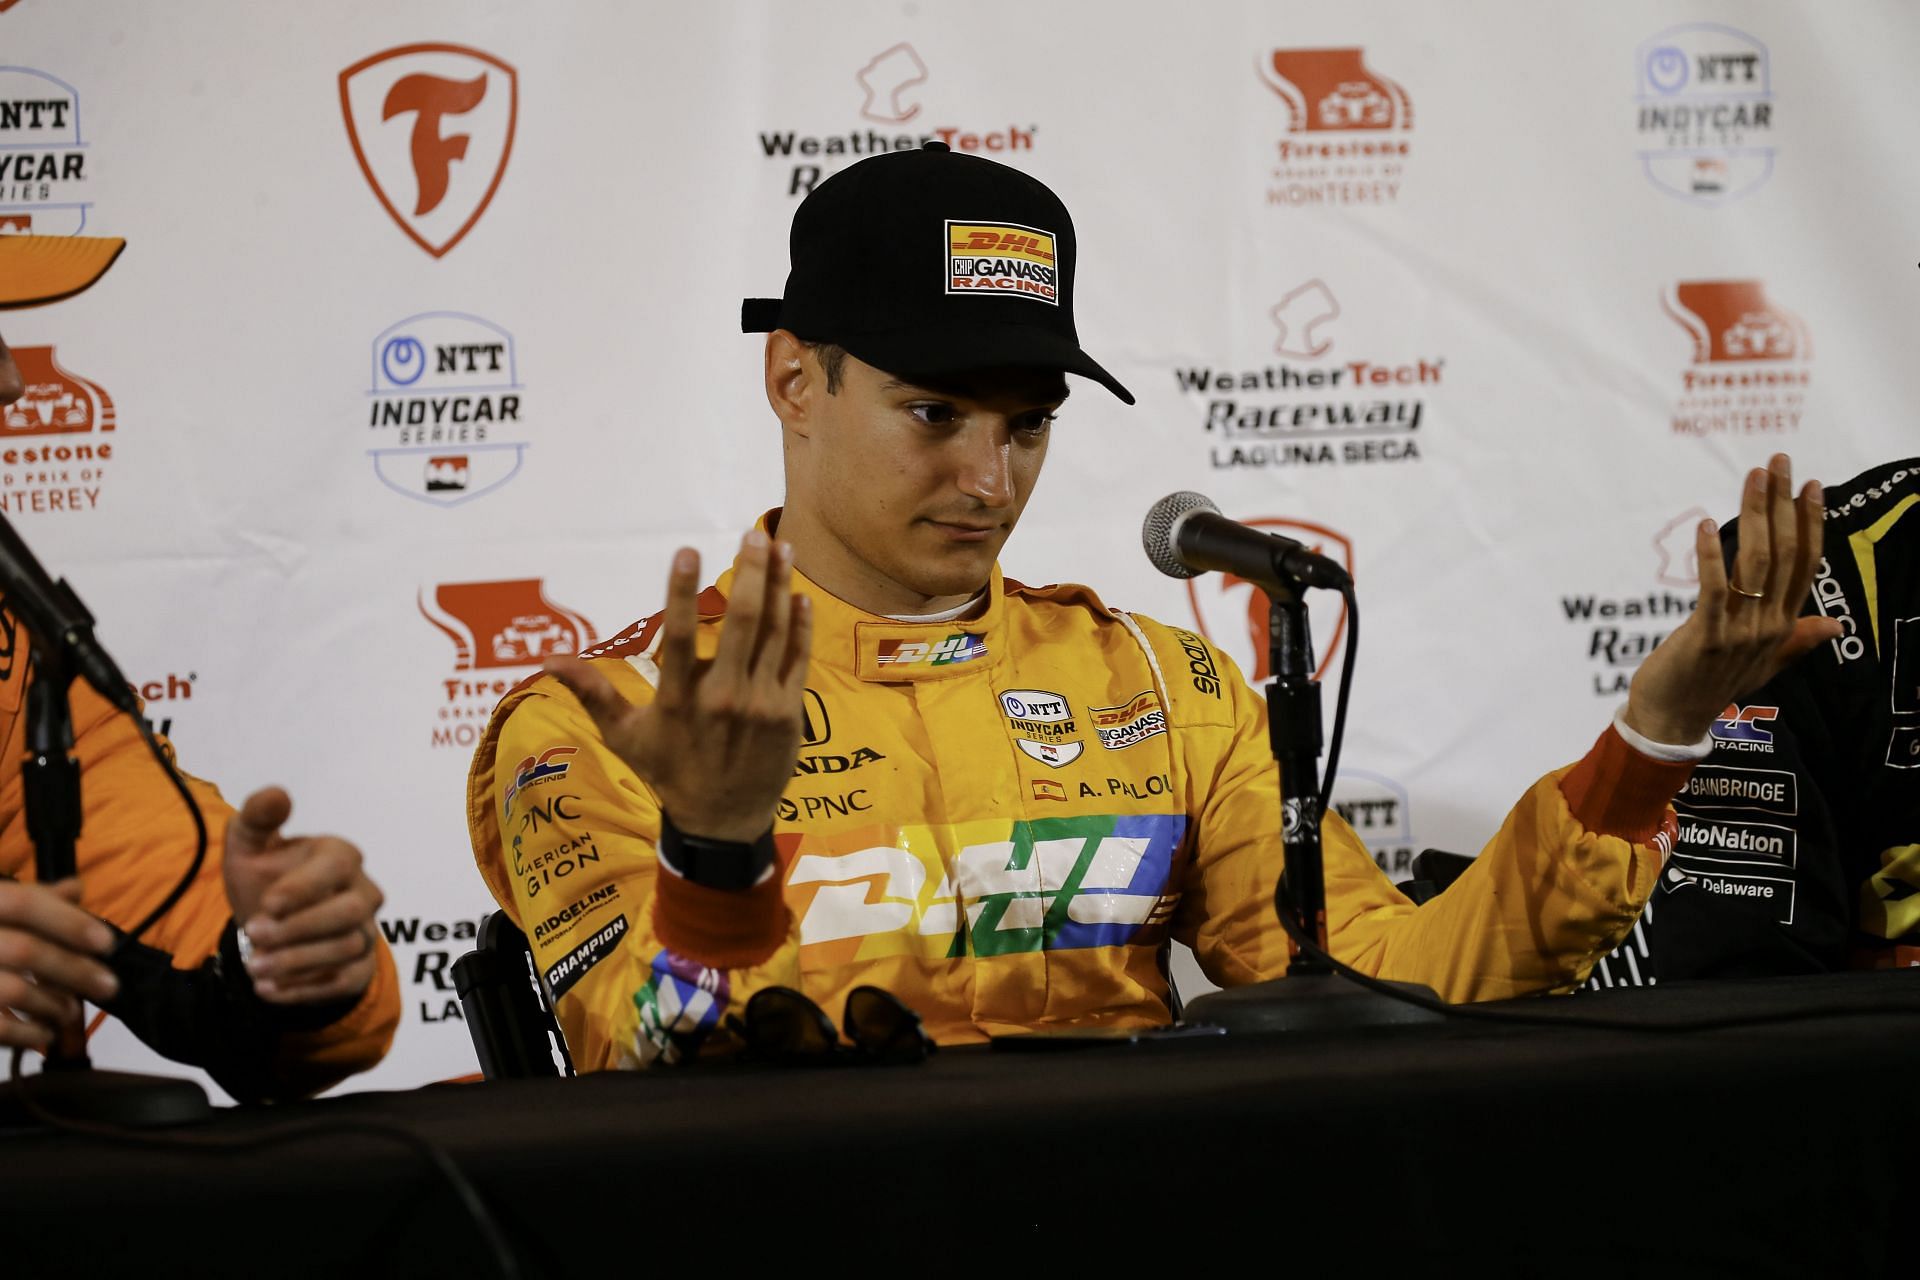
(1003, 821)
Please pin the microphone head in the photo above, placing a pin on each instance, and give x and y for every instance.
(1162, 522)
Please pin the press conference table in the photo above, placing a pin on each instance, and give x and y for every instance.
(1781, 1148)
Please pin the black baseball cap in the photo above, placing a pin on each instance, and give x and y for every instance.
(928, 262)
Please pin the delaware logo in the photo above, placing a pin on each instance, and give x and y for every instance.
(444, 407)
(432, 127)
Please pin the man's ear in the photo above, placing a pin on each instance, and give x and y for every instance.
(794, 379)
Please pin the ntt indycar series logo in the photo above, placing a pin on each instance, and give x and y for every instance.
(500, 631)
(1311, 407)
(43, 156)
(432, 127)
(444, 406)
(1349, 129)
(1704, 112)
(1752, 360)
(887, 94)
(56, 445)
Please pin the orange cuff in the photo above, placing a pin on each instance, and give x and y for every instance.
(1616, 791)
(720, 928)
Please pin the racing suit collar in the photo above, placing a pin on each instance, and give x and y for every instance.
(883, 650)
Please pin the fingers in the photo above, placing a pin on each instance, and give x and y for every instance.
(317, 988)
(256, 828)
(18, 1033)
(770, 655)
(290, 967)
(35, 1001)
(1755, 555)
(677, 634)
(596, 693)
(328, 866)
(745, 607)
(1712, 611)
(1811, 516)
(793, 670)
(50, 913)
(1783, 524)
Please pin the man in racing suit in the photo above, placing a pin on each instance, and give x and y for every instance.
(1798, 848)
(865, 757)
(268, 972)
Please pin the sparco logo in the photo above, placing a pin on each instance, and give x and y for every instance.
(55, 445)
(1704, 112)
(1750, 360)
(1831, 599)
(888, 93)
(43, 157)
(1348, 129)
(1291, 413)
(1232, 612)
(444, 406)
(495, 627)
(432, 127)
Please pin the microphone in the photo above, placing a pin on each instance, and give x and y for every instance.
(54, 616)
(1185, 536)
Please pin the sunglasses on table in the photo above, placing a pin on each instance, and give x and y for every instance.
(784, 1027)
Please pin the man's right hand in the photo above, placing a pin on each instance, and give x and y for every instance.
(718, 742)
(50, 957)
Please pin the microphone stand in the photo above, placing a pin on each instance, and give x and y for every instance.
(68, 1086)
(1311, 996)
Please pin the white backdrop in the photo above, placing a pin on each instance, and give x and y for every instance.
(1531, 224)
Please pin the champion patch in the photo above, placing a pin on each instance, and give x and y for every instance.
(1002, 260)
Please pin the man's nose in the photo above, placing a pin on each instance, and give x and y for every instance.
(986, 466)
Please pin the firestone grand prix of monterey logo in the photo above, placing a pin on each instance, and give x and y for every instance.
(54, 441)
(499, 630)
(432, 127)
(1348, 128)
(445, 404)
(1751, 360)
(1704, 111)
(1232, 613)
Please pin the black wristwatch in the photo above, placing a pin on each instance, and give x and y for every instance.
(715, 864)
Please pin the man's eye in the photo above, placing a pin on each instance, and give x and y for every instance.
(1034, 426)
(934, 415)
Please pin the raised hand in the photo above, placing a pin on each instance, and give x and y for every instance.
(1745, 629)
(718, 742)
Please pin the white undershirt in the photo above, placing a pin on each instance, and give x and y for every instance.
(945, 615)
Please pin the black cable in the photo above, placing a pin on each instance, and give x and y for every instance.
(1309, 947)
(199, 828)
(491, 1234)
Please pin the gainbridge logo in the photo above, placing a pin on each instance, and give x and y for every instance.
(1232, 613)
(1751, 360)
(432, 127)
(1349, 128)
(55, 445)
(1304, 409)
(444, 407)
(500, 631)
(43, 156)
(887, 97)
(1704, 112)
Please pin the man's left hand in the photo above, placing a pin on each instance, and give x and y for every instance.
(306, 906)
(1746, 630)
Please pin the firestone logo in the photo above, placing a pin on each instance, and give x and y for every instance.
(432, 126)
(889, 93)
(54, 446)
(1751, 360)
(1232, 613)
(495, 627)
(1704, 111)
(445, 403)
(1349, 128)
(43, 157)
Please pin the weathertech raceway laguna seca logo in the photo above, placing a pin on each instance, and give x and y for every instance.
(432, 126)
(54, 441)
(1751, 360)
(1348, 129)
(500, 631)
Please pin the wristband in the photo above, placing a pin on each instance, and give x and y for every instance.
(715, 864)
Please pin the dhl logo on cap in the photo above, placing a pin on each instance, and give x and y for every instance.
(1001, 259)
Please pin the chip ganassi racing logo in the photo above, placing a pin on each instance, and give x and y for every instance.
(1348, 128)
(432, 127)
(1232, 612)
(498, 629)
(56, 441)
(1751, 360)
